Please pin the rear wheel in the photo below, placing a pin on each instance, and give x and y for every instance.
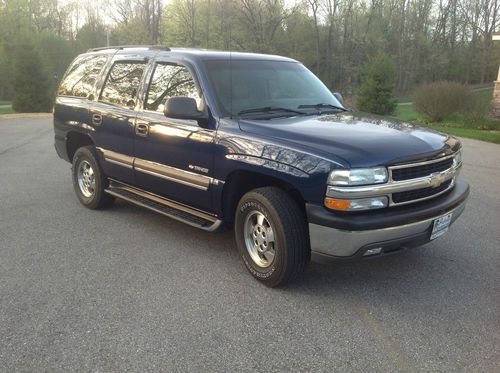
(272, 236)
(89, 180)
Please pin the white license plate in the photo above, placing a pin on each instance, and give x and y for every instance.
(441, 225)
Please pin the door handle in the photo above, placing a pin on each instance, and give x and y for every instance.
(141, 129)
(96, 119)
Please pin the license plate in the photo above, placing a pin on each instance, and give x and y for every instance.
(441, 225)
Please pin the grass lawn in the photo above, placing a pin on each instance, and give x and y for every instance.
(406, 112)
(7, 110)
(485, 135)
(458, 125)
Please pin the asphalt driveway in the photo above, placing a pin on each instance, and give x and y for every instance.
(129, 290)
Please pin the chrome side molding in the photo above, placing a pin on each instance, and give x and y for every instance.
(117, 158)
(173, 174)
(191, 179)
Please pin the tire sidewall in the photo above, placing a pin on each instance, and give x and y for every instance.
(274, 272)
(85, 154)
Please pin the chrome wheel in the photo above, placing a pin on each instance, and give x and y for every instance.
(259, 239)
(86, 179)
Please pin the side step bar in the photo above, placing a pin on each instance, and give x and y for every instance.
(163, 206)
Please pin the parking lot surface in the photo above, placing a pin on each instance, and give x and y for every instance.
(129, 290)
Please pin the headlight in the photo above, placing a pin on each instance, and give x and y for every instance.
(358, 176)
(457, 158)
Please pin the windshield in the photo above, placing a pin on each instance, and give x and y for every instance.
(266, 84)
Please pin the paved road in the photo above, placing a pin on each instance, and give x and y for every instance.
(129, 290)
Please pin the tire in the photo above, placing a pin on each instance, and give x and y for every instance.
(89, 180)
(272, 236)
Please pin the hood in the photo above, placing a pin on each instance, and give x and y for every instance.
(361, 140)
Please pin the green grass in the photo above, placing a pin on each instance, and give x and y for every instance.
(486, 129)
(459, 121)
(406, 112)
(490, 136)
(7, 111)
(486, 94)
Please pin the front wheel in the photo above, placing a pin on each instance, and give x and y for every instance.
(272, 236)
(89, 180)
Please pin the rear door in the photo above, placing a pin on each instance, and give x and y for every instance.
(71, 109)
(113, 116)
(174, 157)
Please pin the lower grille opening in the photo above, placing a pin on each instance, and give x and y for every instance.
(419, 193)
(393, 249)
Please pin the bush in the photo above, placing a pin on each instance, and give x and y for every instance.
(439, 100)
(478, 108)
(376, 94)
(31, 81)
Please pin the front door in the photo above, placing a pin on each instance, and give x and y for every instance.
(113, 117)
(173, 157)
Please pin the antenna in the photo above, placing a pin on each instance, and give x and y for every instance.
(230, 72)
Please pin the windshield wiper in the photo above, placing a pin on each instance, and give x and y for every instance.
(268, 109)
(323, 106)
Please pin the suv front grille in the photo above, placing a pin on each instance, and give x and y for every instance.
(416, 194)
(413, 172)
(408, 183)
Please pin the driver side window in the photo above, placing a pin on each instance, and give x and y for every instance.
(170, 81)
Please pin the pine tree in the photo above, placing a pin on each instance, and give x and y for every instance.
(31, 81)
(376, 94)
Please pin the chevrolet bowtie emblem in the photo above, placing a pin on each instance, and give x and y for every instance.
(437, 179)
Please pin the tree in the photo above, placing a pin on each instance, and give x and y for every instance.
(376, 94)
(5, 88)
(315, 9)
(56, 51)
(31, 81)
(428, 40)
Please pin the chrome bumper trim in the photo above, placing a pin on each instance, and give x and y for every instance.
(341, 243)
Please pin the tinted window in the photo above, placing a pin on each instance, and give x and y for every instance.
(122, 84)
(170, 81)
(241, 85)
(82, 75)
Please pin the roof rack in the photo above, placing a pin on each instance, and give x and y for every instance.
(150, 47)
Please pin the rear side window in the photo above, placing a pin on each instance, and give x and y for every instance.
(82, 75)
(122, 84)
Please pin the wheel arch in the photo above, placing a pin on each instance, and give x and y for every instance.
(240, 182)
(75, 140)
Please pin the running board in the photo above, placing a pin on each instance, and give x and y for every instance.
(163, 206)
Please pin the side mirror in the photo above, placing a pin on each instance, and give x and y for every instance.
(339, 97)
(183, 108)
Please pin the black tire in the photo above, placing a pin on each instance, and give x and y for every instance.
(98, 199)
(288, 223)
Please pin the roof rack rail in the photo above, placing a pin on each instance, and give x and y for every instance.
(151, 47)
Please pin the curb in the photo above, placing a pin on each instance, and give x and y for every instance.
(25, 115)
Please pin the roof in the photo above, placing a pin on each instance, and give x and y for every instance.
(191, 53)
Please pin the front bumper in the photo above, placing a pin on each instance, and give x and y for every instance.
(351, 235)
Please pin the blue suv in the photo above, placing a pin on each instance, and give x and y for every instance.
(255, 142)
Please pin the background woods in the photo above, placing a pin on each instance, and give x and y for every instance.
(426, 40)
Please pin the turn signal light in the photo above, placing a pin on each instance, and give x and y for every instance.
(337, 204)
(357, 204)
